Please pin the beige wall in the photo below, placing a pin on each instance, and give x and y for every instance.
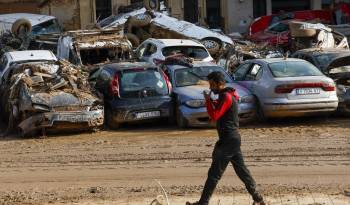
(66, 11)
(239, 15)
(117, 3)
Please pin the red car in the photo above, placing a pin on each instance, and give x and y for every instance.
(274, 29)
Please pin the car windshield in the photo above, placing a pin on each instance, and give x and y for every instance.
(293, 69)
(195, 52)
(46, 27)
(197, 75)
(278, 27)
(142, 83)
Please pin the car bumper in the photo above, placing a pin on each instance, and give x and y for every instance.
(127, 111)
(198, 117)
(63, 121)
(299, 108)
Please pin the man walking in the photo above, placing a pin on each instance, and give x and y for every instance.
(228, 149)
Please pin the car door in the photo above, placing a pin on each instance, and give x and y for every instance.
(249, 76)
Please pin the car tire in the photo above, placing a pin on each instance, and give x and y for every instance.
(180, 120)
(213, 45)
(111, 123)
(19, 23)
(134, 40)
(152, 5)
(140, 20)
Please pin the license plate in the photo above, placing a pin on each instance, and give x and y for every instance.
(72, 118)
(308, 91)
(144, 115)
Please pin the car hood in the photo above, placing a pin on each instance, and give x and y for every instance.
(196, 91)
(63, 99)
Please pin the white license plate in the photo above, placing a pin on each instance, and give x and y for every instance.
(72, 118)
(145, 115)
(308, 91)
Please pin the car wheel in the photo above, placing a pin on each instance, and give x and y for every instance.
(152, 4)
(140, 20)
(213, 45)
(111, 123)
(180, 120)
(15, 29)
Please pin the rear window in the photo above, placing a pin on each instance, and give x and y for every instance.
(293, 69)
(195, 52)
(137, 83)
(278, 27)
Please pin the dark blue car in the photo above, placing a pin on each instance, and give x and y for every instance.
(133, 92)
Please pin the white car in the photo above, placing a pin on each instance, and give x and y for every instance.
(159, 49)
(40, 24)
(11, 58)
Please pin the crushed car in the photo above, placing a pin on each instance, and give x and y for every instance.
(142, 24)
(47, 95)
(91, 48)
(334, 63)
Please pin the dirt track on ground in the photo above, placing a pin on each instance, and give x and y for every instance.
(290, 159)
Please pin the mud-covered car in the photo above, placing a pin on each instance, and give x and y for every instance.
(92, 48)
(133, 92)
(48, 95)
(335, 63)
(139, 25)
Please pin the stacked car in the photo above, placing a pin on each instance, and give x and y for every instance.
(146, 66)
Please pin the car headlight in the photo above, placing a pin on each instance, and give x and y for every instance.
(247, 99)
(195, 103)
(41, 108)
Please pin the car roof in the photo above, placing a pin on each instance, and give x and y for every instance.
(31, 55)
(176, 42)
(129, 65)
(312, 51)
(196, 64)
(34, 19)
(275, 60)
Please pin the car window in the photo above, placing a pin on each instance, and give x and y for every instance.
(46, 27)
(140, 82)
(293, 69)
(151, 49)
(278, 27)
(254, 73)
(195, 52)
(141, 50)
(197, 75)
(242, 71)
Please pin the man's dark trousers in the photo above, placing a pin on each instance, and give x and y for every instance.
(223, 154)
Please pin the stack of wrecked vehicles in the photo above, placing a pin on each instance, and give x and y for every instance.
(39, 93)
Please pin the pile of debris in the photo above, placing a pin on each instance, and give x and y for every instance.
(10, 42)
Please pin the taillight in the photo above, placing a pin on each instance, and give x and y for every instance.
(288, 88)
(114, 86)
(168, 83)
(284, 89)
(328, 87)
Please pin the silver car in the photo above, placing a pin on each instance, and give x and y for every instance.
(287, 87)
(188, 86)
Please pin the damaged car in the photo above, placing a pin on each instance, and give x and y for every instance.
(91, 48)
(189, 80)
(141, 24)
(287, 87)
(334, 63)
(47, 95)
(133, 92)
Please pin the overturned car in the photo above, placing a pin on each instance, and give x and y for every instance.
(48, 95)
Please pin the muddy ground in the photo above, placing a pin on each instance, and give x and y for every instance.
(294, 161)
